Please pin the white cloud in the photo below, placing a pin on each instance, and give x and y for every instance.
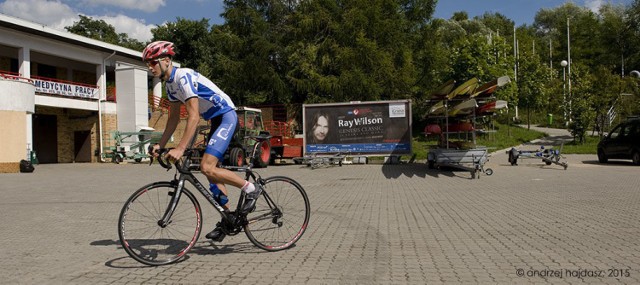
(58, 15)
(50, 13)
(134, 28)
(148, 6)
(594, 5)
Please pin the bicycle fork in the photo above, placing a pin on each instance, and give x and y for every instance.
(175, 198)
(178, 185)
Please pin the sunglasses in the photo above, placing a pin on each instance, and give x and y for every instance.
(152, 63)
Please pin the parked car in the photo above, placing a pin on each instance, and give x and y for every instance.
(623, 142)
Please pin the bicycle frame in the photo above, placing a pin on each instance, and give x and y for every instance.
(187, 175)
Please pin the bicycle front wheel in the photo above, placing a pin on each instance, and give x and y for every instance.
(281, 215)
(141, 232)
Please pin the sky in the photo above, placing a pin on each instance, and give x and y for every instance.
(137, 17)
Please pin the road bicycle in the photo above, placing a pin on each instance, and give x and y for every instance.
(162, 221)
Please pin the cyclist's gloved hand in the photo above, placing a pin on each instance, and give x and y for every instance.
(174, 154)
(153, 150)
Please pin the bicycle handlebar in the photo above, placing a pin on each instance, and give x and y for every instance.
(161, 153)
(188, 152)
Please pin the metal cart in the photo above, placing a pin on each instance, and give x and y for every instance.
(131, 145)
(316, 160)
(472, 160)
(547, 155)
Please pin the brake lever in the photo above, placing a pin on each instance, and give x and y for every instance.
(161, 153)
(161, 159)
(150, 151)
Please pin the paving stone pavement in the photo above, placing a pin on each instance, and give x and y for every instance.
(370, 224)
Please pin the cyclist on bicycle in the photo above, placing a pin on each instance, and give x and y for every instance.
(183, 85)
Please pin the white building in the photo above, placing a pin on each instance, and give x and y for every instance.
(62, 95)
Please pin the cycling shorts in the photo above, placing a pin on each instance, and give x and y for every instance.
(221, 133)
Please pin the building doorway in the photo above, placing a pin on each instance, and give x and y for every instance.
(82, 146)
(45, 138)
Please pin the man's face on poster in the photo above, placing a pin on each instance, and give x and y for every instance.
(321, 128)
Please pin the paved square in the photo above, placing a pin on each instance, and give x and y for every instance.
(370, 224)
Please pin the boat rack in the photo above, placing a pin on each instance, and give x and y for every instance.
(471, 100)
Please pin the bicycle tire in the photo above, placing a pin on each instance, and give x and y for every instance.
(279, 228)
(141, 236)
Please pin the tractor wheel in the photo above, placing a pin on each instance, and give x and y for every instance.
(263, 155)
(236, 157)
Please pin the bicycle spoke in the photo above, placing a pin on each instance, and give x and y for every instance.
(281, 215)
(148, 242)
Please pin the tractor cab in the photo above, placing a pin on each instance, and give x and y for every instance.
(250, 124)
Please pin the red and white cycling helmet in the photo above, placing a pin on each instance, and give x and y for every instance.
(157, 50)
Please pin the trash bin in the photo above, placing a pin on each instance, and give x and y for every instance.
(33, 158)
(550, 119)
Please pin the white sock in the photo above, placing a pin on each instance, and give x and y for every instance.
(248, 187)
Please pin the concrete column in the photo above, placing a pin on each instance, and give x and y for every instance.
(24, 61)
(133, 102)
(101, 80)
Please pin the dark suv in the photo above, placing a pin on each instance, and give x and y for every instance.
(623, 142)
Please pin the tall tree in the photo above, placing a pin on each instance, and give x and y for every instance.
(533, 78)
(583, 28)
(191, 40)
(582, 93)
(615, 38)
(632, 21)
(102, 31)
(251, 54)
(606, 91)
(354, 50)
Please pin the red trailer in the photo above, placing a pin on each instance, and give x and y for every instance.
(284, 144)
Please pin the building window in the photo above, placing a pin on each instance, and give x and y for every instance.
(45, 70)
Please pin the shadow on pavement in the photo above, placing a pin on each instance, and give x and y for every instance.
(610, 163)
(449, 172)
(224, 248)
(126, 262)
(407, 169)
(105, 242)
(202, 248)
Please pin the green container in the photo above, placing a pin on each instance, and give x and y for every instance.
(34, 158)
(550, 119)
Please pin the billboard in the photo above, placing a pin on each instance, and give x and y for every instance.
(381, 127)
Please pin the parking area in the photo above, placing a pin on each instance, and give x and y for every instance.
(370, 224)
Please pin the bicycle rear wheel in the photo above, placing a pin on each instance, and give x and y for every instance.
(281, 215)
(141, 235)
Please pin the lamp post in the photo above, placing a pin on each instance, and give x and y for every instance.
(564, 64)
(569, 66)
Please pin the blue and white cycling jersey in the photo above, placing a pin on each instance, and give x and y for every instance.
(185, 83)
